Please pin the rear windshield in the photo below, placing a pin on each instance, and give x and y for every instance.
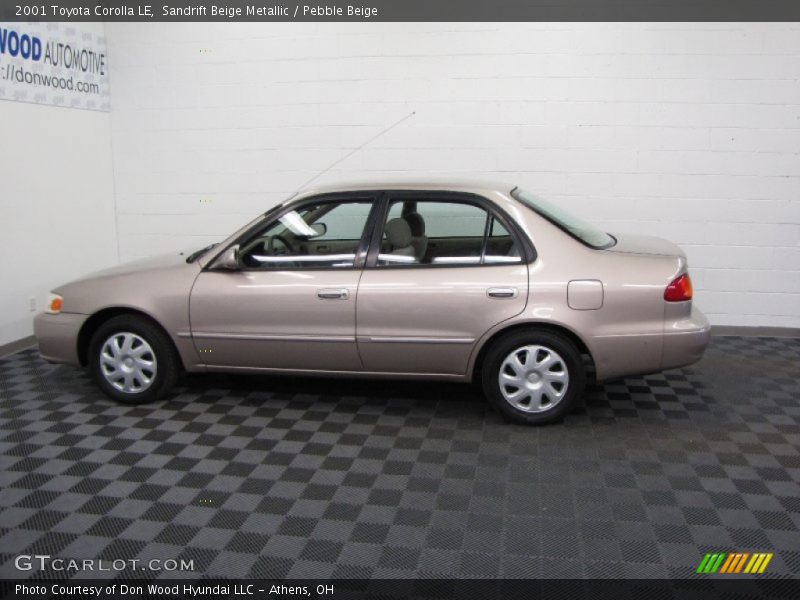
(577, 228)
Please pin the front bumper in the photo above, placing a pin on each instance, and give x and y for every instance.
(58, 336)
(685, 340)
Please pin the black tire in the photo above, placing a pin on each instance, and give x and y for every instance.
(570, 361)
(167, 362)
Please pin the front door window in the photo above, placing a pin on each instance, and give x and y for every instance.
(324, 235)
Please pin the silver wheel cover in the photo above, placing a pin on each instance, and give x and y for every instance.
(128, 362)
(533, 379)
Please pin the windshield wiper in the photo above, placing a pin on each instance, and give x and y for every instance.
(198, 253)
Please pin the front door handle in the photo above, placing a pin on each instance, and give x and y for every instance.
(333, 294)
(499, 292)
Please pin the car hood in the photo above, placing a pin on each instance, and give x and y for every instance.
(146, 285)
(160, 261)
(644, 244)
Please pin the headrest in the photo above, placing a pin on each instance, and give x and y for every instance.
(398, 233)
(416, 222)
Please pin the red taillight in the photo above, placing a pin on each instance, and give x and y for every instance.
(679, 290)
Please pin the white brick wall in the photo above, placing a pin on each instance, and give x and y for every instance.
(687, 131)
(56, 203)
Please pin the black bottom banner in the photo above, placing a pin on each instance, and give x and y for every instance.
(343, 589)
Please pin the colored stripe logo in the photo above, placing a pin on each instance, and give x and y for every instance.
(734, 563)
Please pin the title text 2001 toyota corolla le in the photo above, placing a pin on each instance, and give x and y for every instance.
(429, 281)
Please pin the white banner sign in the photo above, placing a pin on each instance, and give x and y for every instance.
(53, 63)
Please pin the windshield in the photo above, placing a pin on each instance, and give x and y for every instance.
(198, 253)
(577, 228)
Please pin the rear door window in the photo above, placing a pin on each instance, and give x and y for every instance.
(444, 233)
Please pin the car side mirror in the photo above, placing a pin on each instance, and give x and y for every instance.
(320, 229)
(228, 260)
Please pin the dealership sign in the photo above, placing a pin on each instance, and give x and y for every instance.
(53, 63)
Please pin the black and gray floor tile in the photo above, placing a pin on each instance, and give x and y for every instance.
(272, 478)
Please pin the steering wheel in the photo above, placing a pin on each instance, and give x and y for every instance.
(271, 245)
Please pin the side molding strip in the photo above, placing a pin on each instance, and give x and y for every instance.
(269, 337)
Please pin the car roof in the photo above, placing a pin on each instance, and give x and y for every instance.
(444, 185)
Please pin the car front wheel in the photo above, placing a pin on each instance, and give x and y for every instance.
(533, 377)
(132, 360)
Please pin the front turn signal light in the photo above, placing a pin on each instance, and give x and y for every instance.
(679, 290)
(54, 304)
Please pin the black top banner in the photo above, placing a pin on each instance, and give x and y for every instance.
(401, 10)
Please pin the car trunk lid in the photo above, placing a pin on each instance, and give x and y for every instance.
(644, 244)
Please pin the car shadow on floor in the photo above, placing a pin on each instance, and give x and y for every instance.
(448, 399)
(244, 384)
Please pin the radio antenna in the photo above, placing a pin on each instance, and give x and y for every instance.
(361, 147)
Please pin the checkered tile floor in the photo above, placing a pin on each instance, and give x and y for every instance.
(271, 478)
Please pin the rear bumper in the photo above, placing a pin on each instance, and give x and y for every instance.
(685, 340)
(58, 336)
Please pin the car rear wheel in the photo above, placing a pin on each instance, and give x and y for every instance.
(132, 360)
(533, 377)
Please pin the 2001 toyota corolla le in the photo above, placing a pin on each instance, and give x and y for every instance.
(460, 282)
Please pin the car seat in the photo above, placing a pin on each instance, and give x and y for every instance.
(398, 238)
(418, 238)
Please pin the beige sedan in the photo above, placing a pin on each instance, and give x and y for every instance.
(465, 282)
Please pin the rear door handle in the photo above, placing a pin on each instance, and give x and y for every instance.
(499, 292)
(333, 294)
